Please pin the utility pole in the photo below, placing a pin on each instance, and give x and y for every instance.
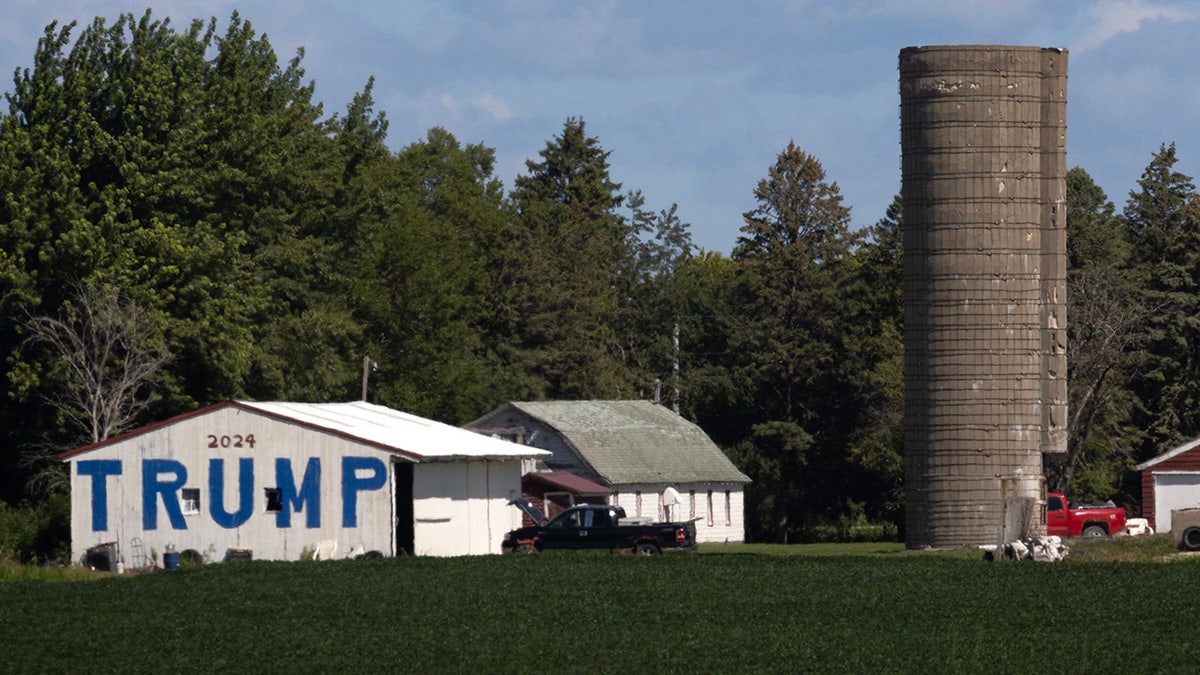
(368, 366)
(675, 368)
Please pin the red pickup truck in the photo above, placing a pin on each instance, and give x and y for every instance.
(1082, 520)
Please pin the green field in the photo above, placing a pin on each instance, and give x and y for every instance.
(864, 609)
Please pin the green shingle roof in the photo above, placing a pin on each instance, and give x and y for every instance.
(636, 441)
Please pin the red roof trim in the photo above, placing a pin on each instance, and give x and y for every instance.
(143, 430)
(248, 408)
(1170, 454)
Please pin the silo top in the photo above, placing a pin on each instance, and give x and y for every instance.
(915, 60)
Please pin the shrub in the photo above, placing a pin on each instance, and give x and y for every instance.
(36, 531)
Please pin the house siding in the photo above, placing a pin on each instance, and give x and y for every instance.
(727, 526)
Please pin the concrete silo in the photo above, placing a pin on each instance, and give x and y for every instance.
(983, 136)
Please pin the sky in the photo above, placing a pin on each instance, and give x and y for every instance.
(695, 99)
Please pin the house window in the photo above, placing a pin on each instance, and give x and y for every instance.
(728, 509)
(637, 502)
(274, 499)
(692, 501)
(710, 509)
(662, 504)
(191, 501)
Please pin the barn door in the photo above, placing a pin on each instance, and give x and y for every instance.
(405, 536)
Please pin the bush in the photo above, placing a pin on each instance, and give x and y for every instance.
(36, 531)
(844, 533)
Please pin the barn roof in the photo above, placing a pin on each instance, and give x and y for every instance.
(633, 441)
(1170, 454)
(417, 438)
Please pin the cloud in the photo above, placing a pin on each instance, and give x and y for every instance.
(442, 108)
(1110, 18)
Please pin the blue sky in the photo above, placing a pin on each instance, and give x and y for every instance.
(696, 99)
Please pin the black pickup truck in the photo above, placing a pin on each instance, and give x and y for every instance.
(597, 527)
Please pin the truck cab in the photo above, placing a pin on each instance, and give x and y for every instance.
(1064, 519)
(597, 526)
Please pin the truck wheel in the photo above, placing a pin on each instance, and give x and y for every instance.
(1191, 539)
(649, 548)
(1095, 532)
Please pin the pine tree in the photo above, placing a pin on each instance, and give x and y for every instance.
(562, 261)
(793, 265)
(1163, 217)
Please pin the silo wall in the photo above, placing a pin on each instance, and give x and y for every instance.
(983, 137)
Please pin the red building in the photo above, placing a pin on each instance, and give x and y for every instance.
(1170, 482)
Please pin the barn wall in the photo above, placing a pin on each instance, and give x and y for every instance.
(462, 508)
(723, 522)
(350, 501)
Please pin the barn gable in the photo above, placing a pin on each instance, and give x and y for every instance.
(1170, 482)
(280, 479)
(638, 449)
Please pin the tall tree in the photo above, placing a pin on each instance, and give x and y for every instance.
(649, 310)
(424, 290)
(193, 172)
(1163, 217)
(1105, 331)
(876, 370)
(563, 258)
(794, 262)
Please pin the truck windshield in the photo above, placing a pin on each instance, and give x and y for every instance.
(567, 519)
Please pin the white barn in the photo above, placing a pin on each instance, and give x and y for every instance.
(637, 449)
(277, 480)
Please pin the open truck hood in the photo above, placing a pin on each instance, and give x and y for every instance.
(530, 510)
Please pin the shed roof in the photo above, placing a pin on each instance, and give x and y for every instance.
(633, 441)
(566, 481)
(420, 439)
(1170, 454)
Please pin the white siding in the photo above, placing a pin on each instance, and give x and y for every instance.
(723, 529)
(462, 508)
(470, 495)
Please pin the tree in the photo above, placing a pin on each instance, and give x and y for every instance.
(561, 267)
(1105, 333)
(1163, 218)
(105, 352)
(876, 452)
(648, 311)
(424, 289)
(193, 172)
(794, 263)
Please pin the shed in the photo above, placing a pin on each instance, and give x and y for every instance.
(1170, 481)
(553, 492)
(638, 449)
(277, 480)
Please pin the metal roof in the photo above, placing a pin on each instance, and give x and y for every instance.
(420, 439)
(634, 441)
(1170, 454)
(395, 430)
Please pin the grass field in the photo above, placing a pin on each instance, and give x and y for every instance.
(862, 609)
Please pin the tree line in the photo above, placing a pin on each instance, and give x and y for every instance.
(182, 224)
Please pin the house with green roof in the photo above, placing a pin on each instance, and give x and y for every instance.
(659, 465)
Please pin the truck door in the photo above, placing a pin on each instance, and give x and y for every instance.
(1057, 518)
(563, 531)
